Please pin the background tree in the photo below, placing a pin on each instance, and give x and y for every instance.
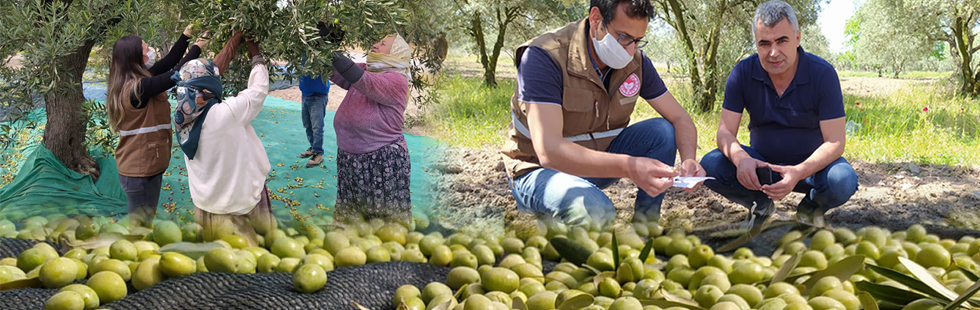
(959, 22)
(813, 41)
(714, 34)
(492, 25)
(56, 39)
(892, 36)
(663, 47)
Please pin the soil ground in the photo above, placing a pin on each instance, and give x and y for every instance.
(890, 195)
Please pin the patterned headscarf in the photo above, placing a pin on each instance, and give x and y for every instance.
(198, 88)
(397, 60)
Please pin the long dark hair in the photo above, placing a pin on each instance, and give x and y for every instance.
(125, 71)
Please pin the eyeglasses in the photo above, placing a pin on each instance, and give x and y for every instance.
(625, 39)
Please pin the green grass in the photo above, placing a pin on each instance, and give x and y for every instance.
(898, 127)
(470, 114)
(903, 75)
(888, 129)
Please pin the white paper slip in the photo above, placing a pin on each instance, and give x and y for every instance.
(689, 182)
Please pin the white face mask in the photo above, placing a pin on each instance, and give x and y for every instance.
(151, 58)
(611, 52)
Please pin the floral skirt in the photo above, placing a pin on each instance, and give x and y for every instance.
(374, 185)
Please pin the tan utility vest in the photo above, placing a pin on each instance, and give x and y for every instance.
(145, 137)
(593, 116)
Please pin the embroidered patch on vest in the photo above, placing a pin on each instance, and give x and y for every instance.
(631, 86)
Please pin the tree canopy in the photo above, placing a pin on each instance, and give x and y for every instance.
(59, 39)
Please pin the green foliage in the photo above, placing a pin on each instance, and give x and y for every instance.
(891, 35)
(814, 42)
(472, 114)
(286, 32)
(488, 27)
(43, 33)
(99, 137)
(47, 32)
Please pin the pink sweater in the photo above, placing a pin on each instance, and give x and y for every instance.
(372, 114)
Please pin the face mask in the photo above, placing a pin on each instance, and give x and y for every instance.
(611, 52)
(151, 58)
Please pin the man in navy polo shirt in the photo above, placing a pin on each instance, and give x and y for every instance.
(796, 126)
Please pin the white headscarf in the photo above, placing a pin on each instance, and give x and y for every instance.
(397, 60)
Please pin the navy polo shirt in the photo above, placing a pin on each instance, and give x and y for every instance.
(539, 79)
(785, 130)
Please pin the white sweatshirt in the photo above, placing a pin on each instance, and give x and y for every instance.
(228, 173)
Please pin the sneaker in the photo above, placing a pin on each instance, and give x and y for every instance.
(758, 215)
(308, 153)
(315, 161)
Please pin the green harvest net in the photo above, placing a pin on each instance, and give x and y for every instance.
(42, 186)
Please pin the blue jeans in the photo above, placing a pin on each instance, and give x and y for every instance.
(828, 188)
(314, 111)
(143, 196)
(576, 200)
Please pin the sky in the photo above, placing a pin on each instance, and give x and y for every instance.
(832, 20)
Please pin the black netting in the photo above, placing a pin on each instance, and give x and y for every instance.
(371, 285)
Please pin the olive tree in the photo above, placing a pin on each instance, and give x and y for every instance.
(58, 39)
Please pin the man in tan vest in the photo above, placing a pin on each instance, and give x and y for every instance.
(576, 89)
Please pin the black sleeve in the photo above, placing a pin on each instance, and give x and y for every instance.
(351, 72)
(152, 86)
(168, 62)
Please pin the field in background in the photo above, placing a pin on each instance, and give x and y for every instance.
(915, 118)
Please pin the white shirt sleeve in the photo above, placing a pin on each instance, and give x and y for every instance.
(248, 103)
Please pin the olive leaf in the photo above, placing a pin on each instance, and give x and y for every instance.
(843, 270)
(105, 239)
(668, 304)
(459, 292)
(615, 250)
(889, 293)
(191, 250)
(576, 302)
(602, 276)
(519, 304)
(647, 250)
(969, 274)
(867, 301)
(570, 250)
(444, 305)
(787, 267)
(671, 297)
(926, 278)
(964, 297)
(34, 282)
(592, 269)
(359, 306)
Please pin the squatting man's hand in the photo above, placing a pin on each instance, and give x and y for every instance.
(651, 175)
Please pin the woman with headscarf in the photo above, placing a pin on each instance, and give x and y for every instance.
(226, 162)
(373, 168)
(138, 110)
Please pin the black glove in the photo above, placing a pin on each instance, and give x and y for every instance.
(332, 33)
(346, 67)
